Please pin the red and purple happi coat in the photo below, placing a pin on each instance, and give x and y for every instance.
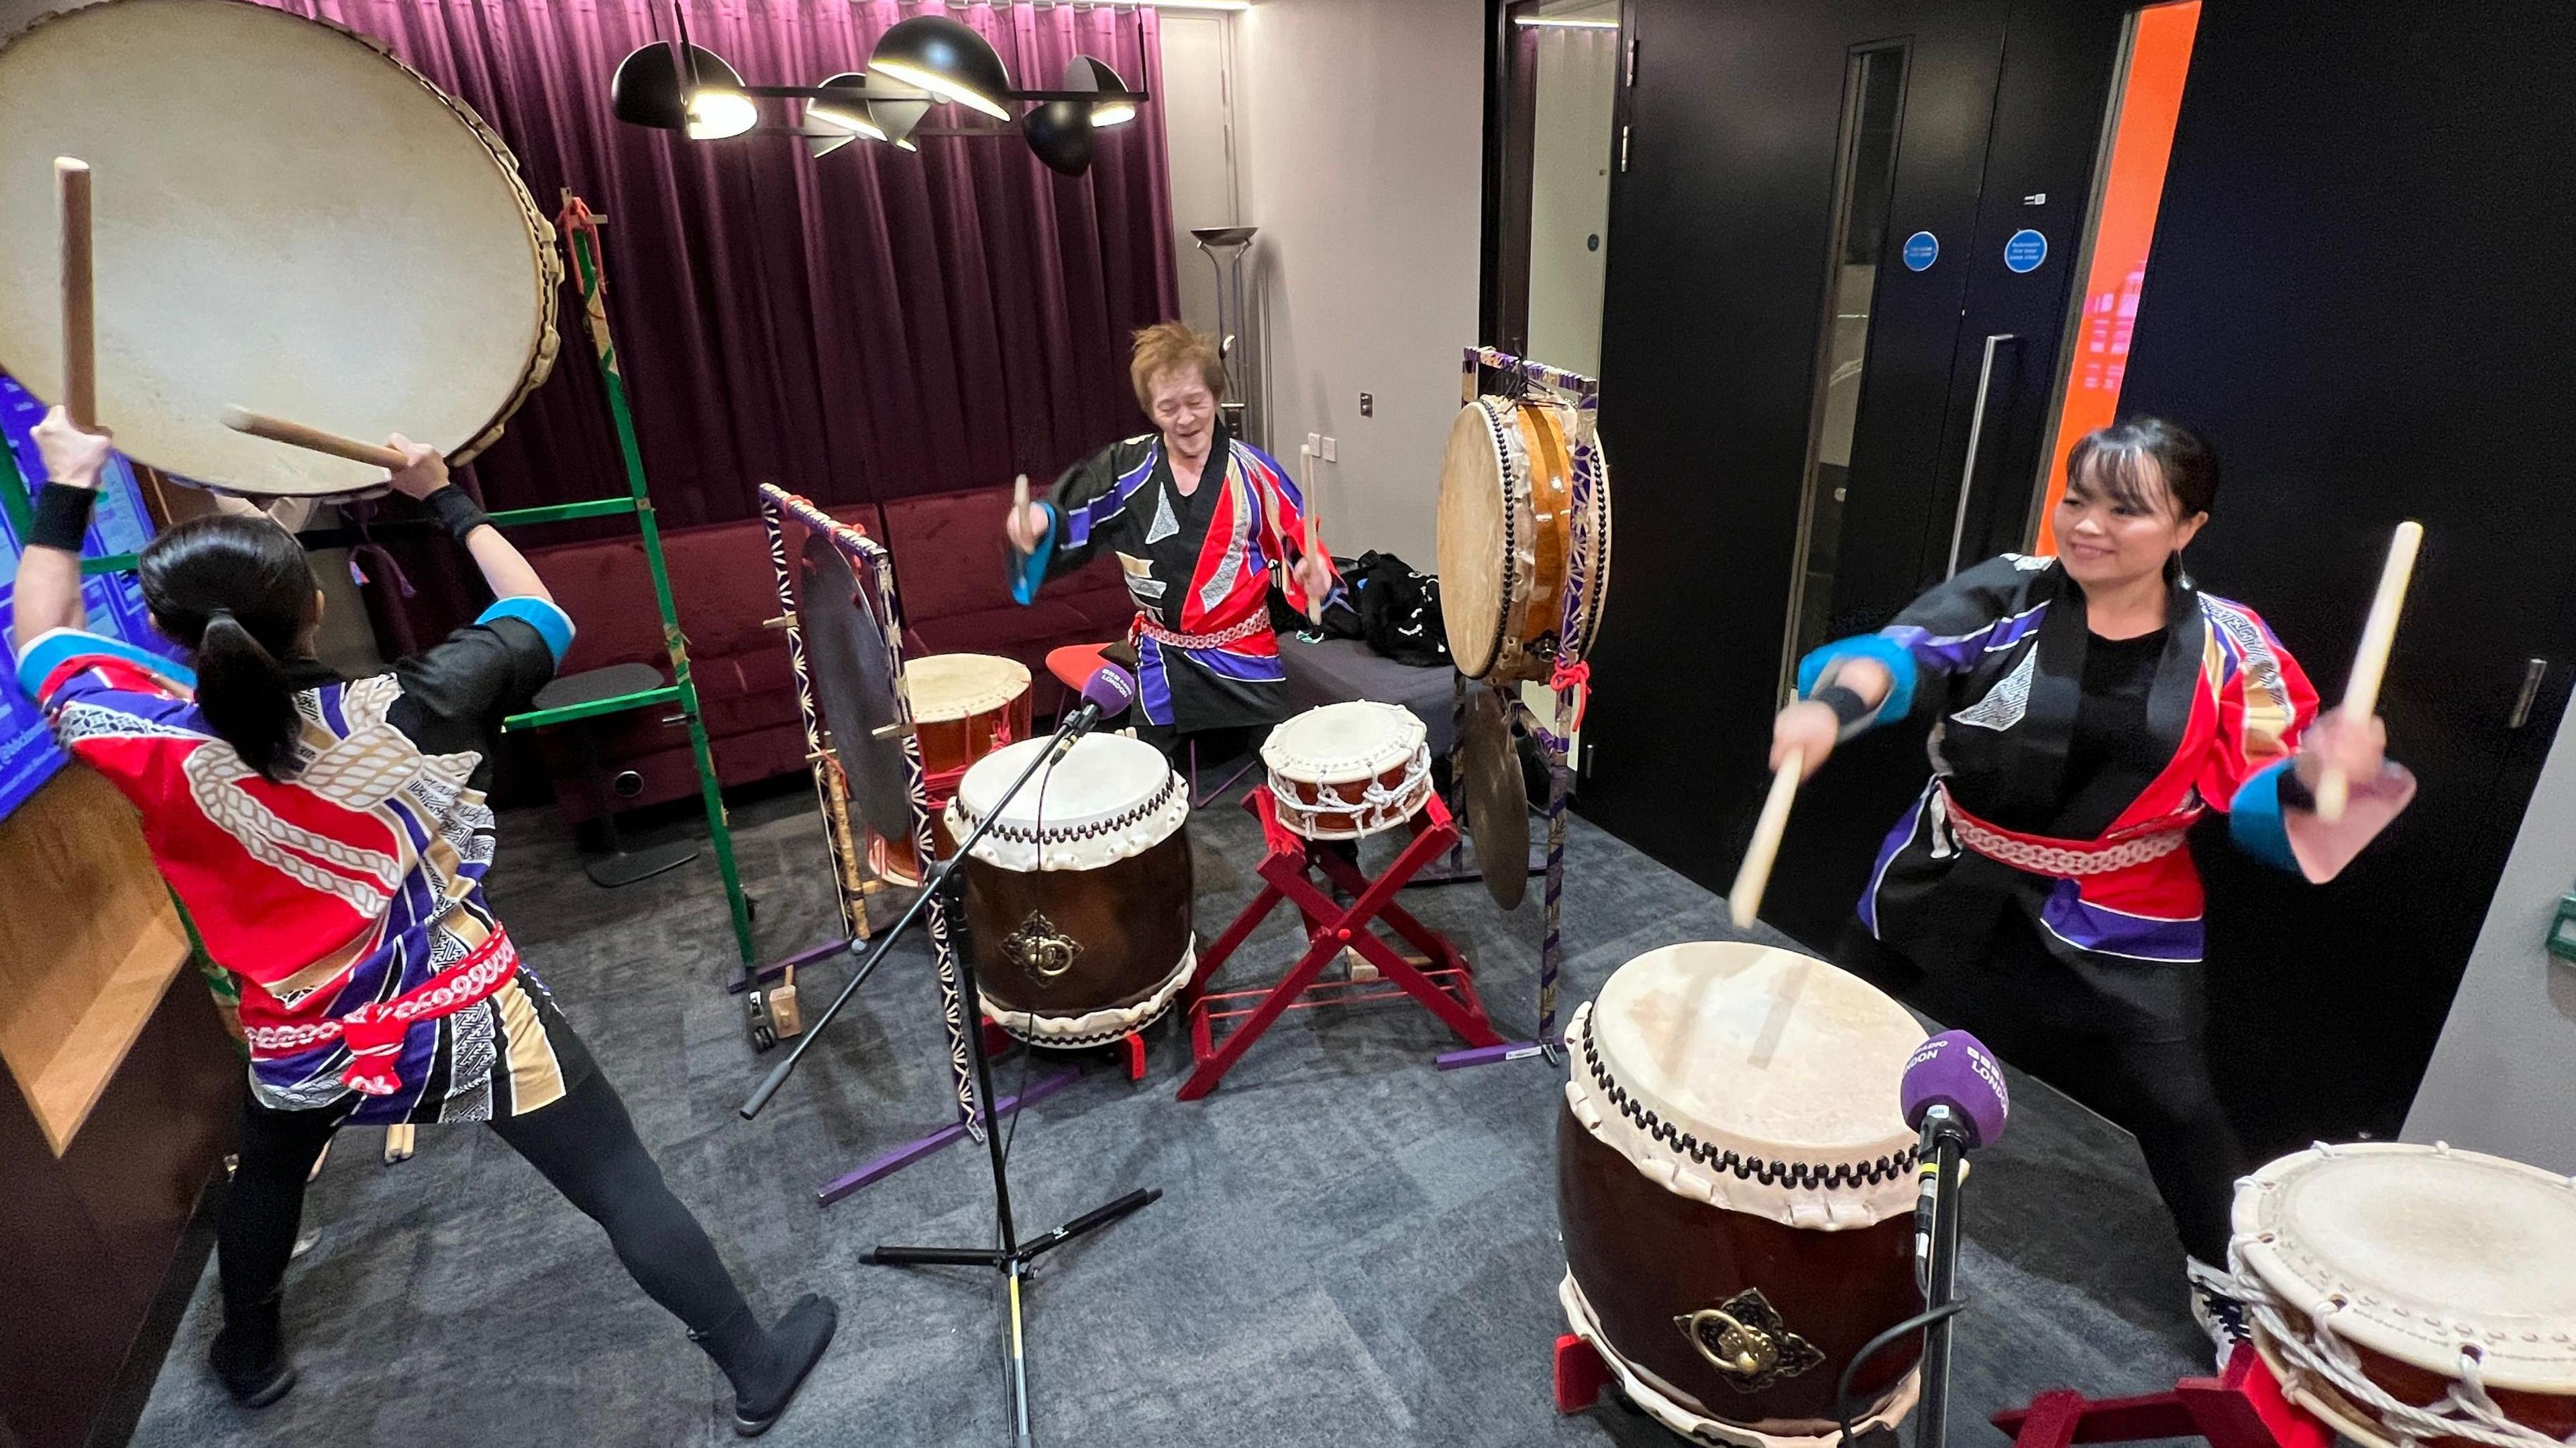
(1995, 657)
(1200, 569)
(346, 900)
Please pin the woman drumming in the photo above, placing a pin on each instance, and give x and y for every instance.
(2085, 710)
(330, 839)
(1203, 526)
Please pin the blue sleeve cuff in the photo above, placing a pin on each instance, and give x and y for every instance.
(54, 647)
(1898, 661)
(1032, 569)
(2254, 820)
(551, 623)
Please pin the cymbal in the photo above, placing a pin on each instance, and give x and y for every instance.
(845, 659)
(1497, 800)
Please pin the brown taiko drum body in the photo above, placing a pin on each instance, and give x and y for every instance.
(1079, 899)
(1735, 1188)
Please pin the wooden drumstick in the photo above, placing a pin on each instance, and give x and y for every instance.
(1744, 901)
(2370, 662)
(1019, 497)
(1314, 508)
(314, 439)
(80, 302)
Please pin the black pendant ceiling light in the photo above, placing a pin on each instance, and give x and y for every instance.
(919, 63)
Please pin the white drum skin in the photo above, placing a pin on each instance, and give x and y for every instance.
(1345, 771)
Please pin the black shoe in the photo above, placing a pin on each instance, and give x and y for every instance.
(249, 1358)
(767, 1368)
(2217, 1309)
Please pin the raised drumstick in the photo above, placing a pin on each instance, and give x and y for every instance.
(313, 439)
(80, 309)
(1744, 901)
(2370, 661)
(1019, 498)
(1314, 514)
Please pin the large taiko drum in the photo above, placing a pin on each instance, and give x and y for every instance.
(964, 706)
(1342, 771)
(1079, 897)
(2415, 1293)
(286, 219)
(1736, 1189)
(1524, 544)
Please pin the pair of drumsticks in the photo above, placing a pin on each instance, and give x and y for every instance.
(1020, 487)
(2360, 701)
(80, 339)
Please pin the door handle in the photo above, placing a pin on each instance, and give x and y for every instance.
(2532, 674)
(1976, 431)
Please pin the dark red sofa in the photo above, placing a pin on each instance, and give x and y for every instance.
(949, 572)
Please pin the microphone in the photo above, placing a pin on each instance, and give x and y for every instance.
(1105, 695)
(1954, 1094)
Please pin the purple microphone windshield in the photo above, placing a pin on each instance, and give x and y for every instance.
(1955, 1069)
(1111, 689)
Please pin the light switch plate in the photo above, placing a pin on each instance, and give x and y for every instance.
(1315, 443)
(1332, 452)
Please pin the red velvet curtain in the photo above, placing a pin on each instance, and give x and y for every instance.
(867, 325)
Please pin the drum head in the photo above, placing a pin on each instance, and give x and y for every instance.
(286, 219)
(1497, 799)
(1475, 569)
(1356, 739)
(2430, 1250)
(1108, 798)
(1760, 1050)
(945, 687)
(845, 663)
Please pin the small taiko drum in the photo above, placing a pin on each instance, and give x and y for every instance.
(2415, 1294)
(1524, 536)
(1736, 1189)
(1079, 896)
(1342, 771)
(964, 706)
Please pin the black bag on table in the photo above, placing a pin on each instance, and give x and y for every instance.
(1399, 610)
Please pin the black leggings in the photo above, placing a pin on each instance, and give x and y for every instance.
(584, 1144)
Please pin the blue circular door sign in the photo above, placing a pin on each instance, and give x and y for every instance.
(1921, 250)
(2025, 251)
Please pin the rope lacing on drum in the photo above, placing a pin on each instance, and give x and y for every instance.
(1375, 802)
(1800, 1174)
(2465, 1412)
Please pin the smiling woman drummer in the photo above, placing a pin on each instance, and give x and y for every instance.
(2086, 709)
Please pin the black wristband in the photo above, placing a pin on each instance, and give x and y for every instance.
(1849, 707)
(456, 511)
(62, 517)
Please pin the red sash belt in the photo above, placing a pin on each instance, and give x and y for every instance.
(1258, 623)
(374, 1032)
(2065, 859)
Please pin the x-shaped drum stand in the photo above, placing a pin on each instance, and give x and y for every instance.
(1447, 989)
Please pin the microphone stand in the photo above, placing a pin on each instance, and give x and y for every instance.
(1013, 1256)
(1945, 1138)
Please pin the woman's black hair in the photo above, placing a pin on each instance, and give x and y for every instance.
(236, 592)
(2108, 460)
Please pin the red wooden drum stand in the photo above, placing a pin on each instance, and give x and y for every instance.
(1447, 990)
(2244, 1408)
(1130, 1047)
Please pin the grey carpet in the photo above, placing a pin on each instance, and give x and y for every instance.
(1352, 1247)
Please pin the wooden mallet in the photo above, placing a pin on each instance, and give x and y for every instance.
(2370, 661)
(80, 302)
(1744, 900)
(313, 439)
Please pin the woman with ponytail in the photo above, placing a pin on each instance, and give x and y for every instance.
(329, 838)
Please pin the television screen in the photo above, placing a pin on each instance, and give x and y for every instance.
(28, 756)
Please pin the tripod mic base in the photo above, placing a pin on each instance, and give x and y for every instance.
(1029, 1251)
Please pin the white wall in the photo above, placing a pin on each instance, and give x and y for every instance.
(1196, 92)
(2503, 1078)
(1360, 140)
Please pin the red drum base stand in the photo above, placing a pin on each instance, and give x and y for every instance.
(2242, 1409)
(1447, 990)
(1130, 1047)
